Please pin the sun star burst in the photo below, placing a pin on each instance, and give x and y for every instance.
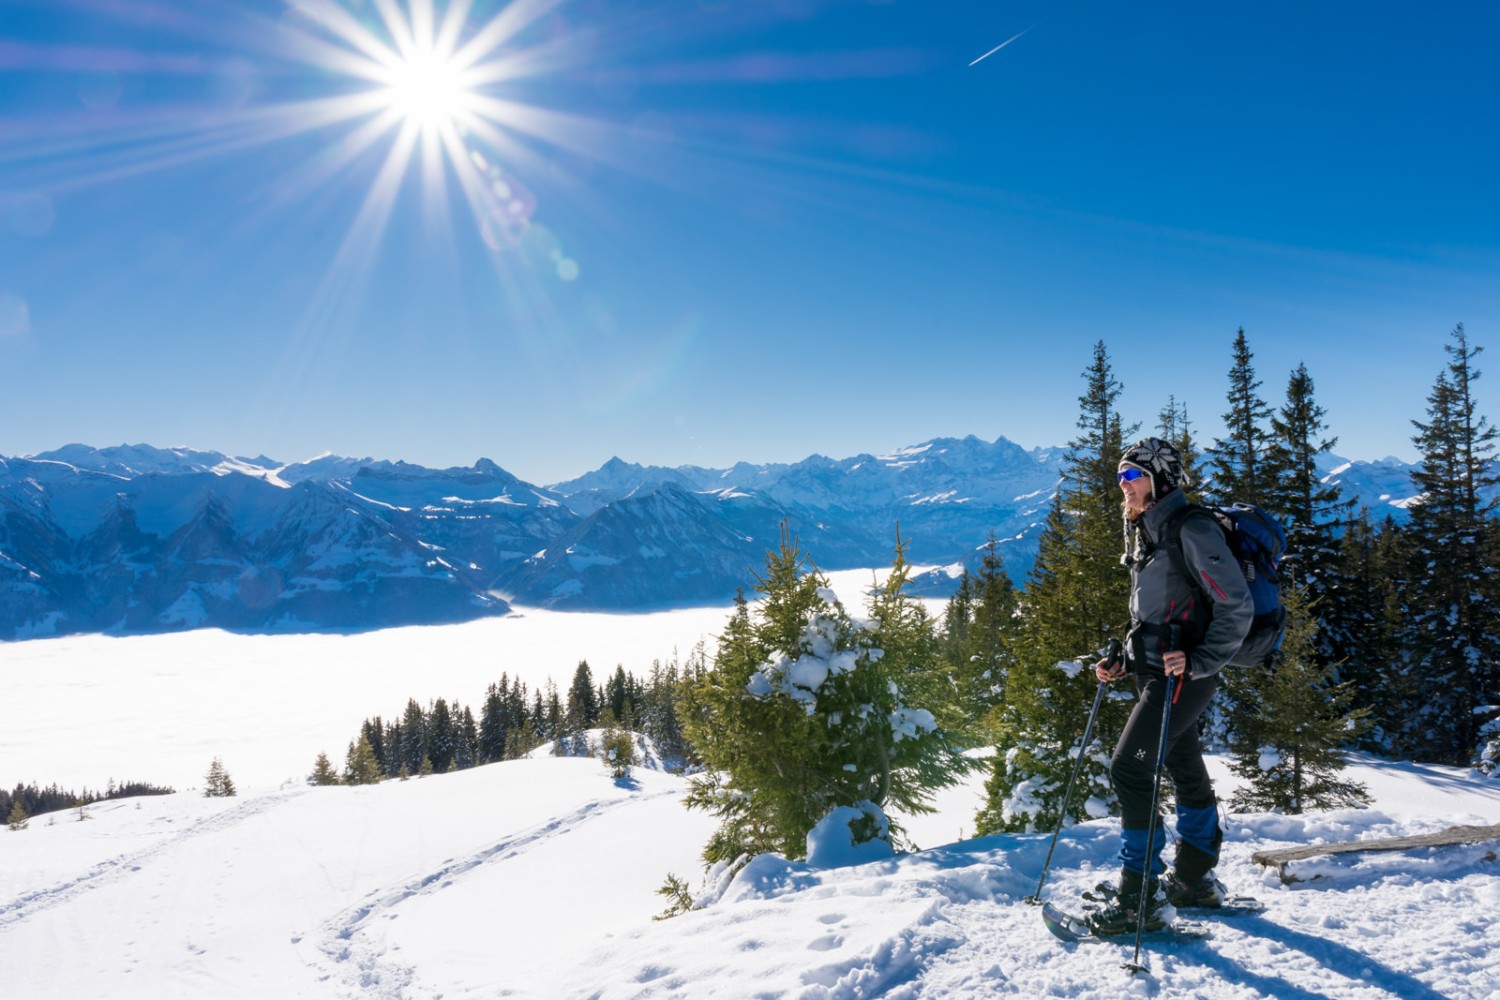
(428, 89)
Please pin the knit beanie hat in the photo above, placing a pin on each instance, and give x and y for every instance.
(1160, 461)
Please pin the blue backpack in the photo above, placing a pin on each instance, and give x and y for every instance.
(1257, 540)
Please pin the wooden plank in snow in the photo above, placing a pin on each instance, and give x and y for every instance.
(1454, 835)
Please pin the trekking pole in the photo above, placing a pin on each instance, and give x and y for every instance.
(1113, 652)
(1161, 755)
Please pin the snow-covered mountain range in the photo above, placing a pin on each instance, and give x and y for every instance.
(144, 539)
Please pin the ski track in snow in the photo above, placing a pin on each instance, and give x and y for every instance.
(127, 865)
(366, 968)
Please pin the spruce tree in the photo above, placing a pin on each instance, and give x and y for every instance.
(492, 726)
(1487, 761)
(617, 747)
(1238, 471)
(413, 737)
(621, 691)
(466, 737)
(805, 710)
(1452, 635)
(393, 763)
(1174, 427)
(441, 742)
(17, 819)
(1289, 744)
(659, 716)
(583, 700)
(1077, 598)
(217, 783)
(981, 631)
(360, 765)
(1314, 514)
(323, 772)
(958, 612)
(1371, 575)
(374, 731)
(919, 748)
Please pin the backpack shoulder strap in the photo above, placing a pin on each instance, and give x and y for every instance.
(1171, 540)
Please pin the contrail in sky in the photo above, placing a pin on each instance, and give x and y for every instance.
(997, 48)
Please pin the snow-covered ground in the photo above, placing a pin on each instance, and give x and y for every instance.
(535, 878)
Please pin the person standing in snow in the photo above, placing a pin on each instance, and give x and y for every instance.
(1172, 633)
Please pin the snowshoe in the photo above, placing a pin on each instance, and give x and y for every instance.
(1122, 914)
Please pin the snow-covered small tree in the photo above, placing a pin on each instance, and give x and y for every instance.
(1487, 761)
(617, 747)
(217, 784)
(805, 710)
(17, 819)
(1037, 734)
(1296, 720)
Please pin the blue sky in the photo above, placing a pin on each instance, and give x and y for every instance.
(703, 231)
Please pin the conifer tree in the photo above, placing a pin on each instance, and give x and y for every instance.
(374, 731)
(1289, 743)
(620, 692)
(466, 740)
(549, 723)
(659, 716)
(1238, 471)
(360, 766)
(413, 736)
(617, 747)
(441, 744)
(394, 761)
(492, 726)
(323, 772)
(1371, 574)
(1077, 598)
(1314, 514)
(980, 635)
(17, 820)
(1174, 427)
(1487, 761)
(804, 710)
(957, 614)
(217, 783)
(583, 700)
(1452, 635)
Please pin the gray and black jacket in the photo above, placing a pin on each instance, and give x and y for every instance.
(1166, 610)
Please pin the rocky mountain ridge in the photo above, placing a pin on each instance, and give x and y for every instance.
(142, 539)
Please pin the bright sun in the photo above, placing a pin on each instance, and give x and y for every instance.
(428, 90)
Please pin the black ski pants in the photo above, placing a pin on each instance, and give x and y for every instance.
(1133, 768)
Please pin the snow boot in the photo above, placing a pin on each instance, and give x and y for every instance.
(1206, 892)
(1122, 914)
(1192, 881)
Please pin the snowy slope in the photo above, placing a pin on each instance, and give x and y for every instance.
(535, 879)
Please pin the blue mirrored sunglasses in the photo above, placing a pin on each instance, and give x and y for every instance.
(1131, 474)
